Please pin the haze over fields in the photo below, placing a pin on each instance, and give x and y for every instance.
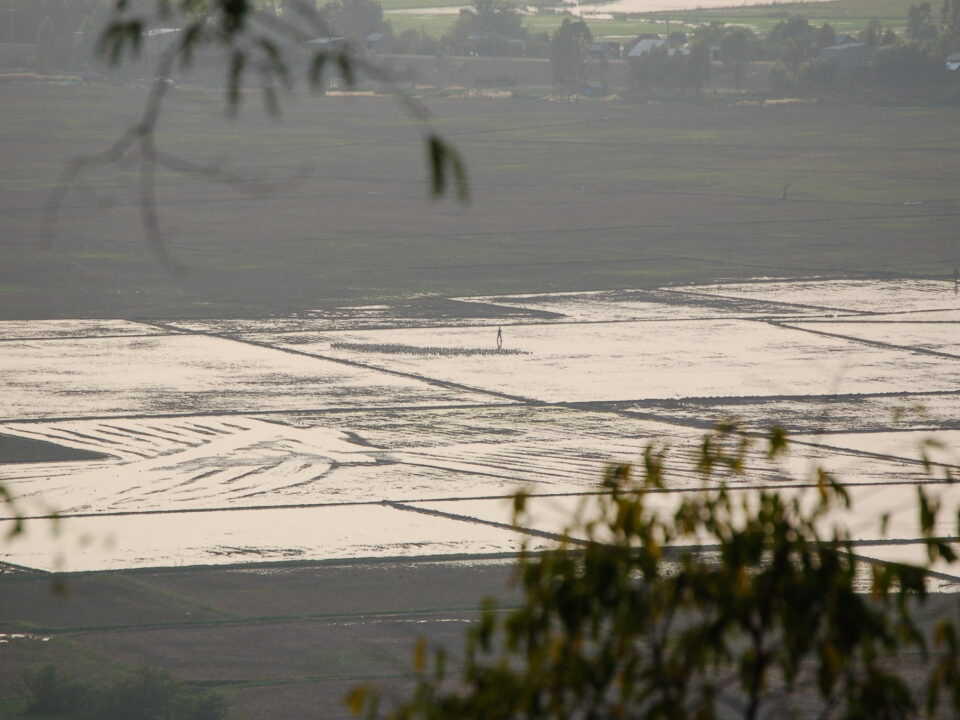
(278, 466)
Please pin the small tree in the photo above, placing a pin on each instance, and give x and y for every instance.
(48, 44)
(819, 75)
(697, 71)
(950, 17)
(718, 607)
(488, 17)
(792, 40)
(569, 50)
(355, 18)
(872, 33)
(920, 24)
(781, 79)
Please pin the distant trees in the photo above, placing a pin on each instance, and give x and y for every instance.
(49, 43)
(488, 17)
(819, 75)
(355, 18)
(795, 41)
(909, 65)
(781, 79)
(20, 19)
(50, 25)
(950, 19)
(792, 41)
(697, 71)
(921, 26)
(569, 51)
(656, 70)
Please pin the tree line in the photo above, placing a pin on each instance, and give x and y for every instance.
(911, 57)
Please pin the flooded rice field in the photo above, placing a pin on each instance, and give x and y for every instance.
(397, 431)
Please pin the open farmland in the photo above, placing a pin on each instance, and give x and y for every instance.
(565, 196)
(280, 468)
(363, 448)
(278, 458)
(315, 441)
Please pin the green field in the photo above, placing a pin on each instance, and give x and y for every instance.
(844, 15)
(565, 196)
(436, 25)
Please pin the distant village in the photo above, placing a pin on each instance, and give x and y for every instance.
(489, 50)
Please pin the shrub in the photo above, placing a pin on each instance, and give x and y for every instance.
(149, 694)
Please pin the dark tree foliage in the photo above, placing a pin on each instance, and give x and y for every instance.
(711, 606)
(356, 18)
(146, 695)
(920, 23)
(819, 74)
(909, 65)
(826, 36)
(656, 70)
(739, 44)
(488, 17)
(20, 19)
(872, 34)
(51, 693)
(49, 42)
(781, 79)
(569, 50)
(697, 70)
(950, 17)
(792, 41)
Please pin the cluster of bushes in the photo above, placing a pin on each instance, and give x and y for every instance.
(665, 69)
(147, 695)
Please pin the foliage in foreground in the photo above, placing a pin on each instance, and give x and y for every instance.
(761, 612)
(147, 695)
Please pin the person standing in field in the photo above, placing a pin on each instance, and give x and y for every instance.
(499, 338)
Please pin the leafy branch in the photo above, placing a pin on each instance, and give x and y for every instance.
(257, 45)
(720, 605)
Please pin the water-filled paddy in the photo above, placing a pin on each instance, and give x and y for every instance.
(311, 438)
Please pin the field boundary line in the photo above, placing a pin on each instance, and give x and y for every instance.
(720, 296)
(478, 521)
(255, 414)
(875, 343)
(787, 485)
(48, 338)
(446, 384)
